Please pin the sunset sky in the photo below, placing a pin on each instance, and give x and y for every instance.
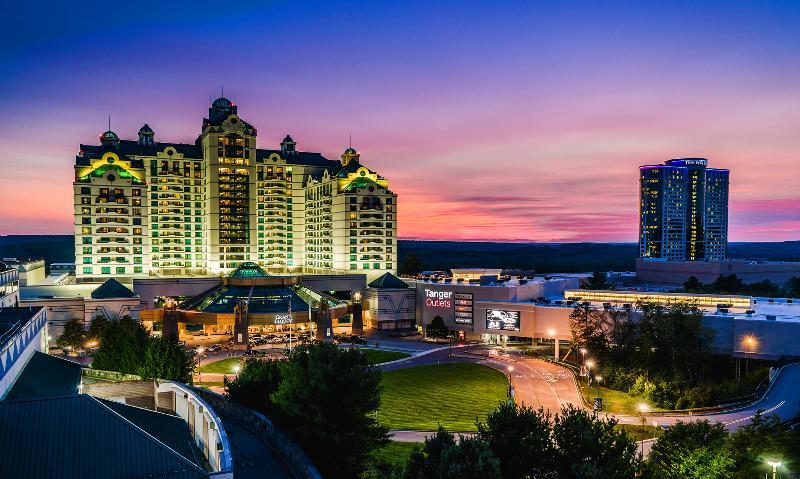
(520, 123)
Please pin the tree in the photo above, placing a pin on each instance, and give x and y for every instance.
(327, 399)
(99, 323)
(793, 287)
(254, 384)
(437, 329)
(519, 437)
(411, 265)
(121, 346)
(693, 285)
(727, 284)
(598, 281)
(165, 358)
(589, 326)
(588, 447)
(764, 438)
(73, 336)
(443, 458)
(693, 450)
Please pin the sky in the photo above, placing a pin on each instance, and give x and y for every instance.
(506, 121)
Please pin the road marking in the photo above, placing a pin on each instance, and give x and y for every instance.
(768, 411)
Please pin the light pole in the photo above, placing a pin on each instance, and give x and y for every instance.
(589, 365)
(597, 379)
(775, 465)
(643, 408)
(583, 355)
(200, 351)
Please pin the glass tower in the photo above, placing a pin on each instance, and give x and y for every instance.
(683, 211)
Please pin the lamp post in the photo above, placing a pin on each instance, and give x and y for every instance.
(200, 351)
(583, 355)
(597, 380)
(775, 465)
(643, 408)
(236, 369)
(589, 365)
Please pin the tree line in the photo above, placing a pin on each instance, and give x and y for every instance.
(732, 284)
(125, 346)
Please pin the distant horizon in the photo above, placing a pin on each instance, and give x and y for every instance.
(526, 123)
(497, 241)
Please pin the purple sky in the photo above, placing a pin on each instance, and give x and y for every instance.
(521, 122)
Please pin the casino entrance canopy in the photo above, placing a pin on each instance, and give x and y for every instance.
(270, 300)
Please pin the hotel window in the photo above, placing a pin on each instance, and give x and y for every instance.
(87, 260)
(136, 192)
(86, 231)
(87, 250)
(137, 231)
(85, 190)
(353, 266)
(87, 270)
(86, 201)
(87, 240)
(86, 221)
(137, 269)
(365, 266)
(105, 270)
(120, 270)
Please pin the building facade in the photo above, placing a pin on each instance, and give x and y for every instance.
(9, 285)
(145, 208)
(683, 211)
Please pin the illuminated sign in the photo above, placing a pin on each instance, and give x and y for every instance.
(688, 162)
(438, 299)
(284, 318)
(463, 308)
(502, 320)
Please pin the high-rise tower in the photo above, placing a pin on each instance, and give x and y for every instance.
(683, 211)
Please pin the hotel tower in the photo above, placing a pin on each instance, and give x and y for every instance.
(147, 208)
(683, 211)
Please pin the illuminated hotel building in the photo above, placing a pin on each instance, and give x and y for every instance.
(145, 208)
(683, 211)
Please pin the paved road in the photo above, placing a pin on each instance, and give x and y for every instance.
(252, 457)
(782, 398)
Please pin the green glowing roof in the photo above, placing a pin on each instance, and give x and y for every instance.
(249, 270)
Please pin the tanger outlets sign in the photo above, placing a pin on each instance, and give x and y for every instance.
(284, 318)
(438, 299)
(503, 320)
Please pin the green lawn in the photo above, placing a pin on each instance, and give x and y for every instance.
(223, 366)
(638, 434)
(617, 402)
(453, 395)
(395, 453)
(378, 356)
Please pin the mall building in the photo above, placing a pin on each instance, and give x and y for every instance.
(538, 311)
(145, 208)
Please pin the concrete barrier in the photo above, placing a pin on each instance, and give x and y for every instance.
(293, 456)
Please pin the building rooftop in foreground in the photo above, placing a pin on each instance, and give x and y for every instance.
(80, 436)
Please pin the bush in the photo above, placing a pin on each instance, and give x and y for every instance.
(254, 384)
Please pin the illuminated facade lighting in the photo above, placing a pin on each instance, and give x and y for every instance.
(683, 211)
(144, 208)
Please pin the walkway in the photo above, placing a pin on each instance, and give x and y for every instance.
(252, 457)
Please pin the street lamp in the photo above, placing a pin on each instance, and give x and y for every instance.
(643, 408)
(597, 379)
(236, 369)
(775, 465)
(583, 355)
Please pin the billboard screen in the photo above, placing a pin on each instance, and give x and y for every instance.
(502, 320)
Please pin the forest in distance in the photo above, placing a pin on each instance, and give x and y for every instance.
(443, 255)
